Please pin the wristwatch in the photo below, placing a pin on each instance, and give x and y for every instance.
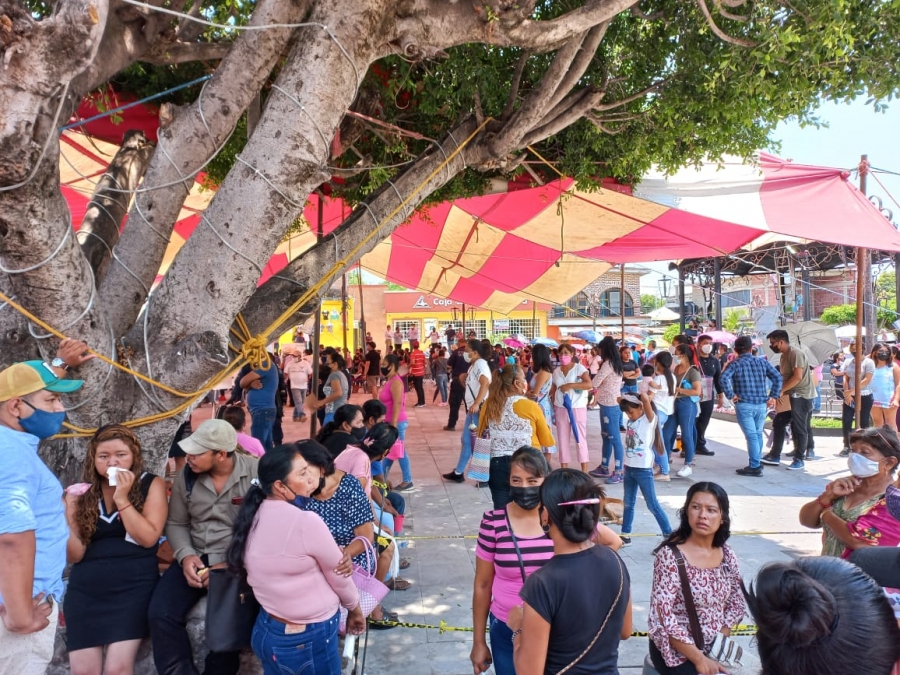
(59, 363)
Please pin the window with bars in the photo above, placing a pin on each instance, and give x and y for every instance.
(478, 325)
(611, 303)
(404, 325)
(527, 327)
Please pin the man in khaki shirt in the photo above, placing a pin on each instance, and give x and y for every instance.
(206, 497)
(798, 384)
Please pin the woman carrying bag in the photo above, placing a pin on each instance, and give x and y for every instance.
(288, 553)
(688, 387)
(577, 607)
(512, 421)
(695, 568)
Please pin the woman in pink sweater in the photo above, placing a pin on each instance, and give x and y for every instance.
(289, 555)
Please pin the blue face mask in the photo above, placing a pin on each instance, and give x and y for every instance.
(41, 423)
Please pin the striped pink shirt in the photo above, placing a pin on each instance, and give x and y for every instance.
(495, 545)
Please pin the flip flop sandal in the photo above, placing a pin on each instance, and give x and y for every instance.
(404, 563)
(398, 584)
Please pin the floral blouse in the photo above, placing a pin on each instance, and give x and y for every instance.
(717, 597)
(608, 384)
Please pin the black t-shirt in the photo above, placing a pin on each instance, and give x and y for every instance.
(574, 593)
(373, 358)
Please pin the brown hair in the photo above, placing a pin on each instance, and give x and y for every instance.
(88, 507)
(502, 387)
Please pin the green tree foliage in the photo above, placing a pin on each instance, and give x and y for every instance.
(843, 315)
(649, 302)
(670, 332)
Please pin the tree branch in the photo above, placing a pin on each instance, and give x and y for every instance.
(185, 52)
(581, 62)
(718, 32)
(99, 231)
(196, 133)
(514, 86)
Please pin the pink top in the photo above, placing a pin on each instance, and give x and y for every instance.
(250, 444)
(717, 597)
(357, 463)
(495, 545)
(387, 398)
(608, 384)
(290, 561)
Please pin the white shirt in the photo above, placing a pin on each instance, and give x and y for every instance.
(413, 333)
(577, 396)
(388, 335)
(298, 372)
(664, 402)
(639, 442)
(473, 377)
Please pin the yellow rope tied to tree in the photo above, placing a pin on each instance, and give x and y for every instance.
(253, 349)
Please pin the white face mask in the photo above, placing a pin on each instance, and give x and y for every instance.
(862, 467)
(467, 357)
(706, 349)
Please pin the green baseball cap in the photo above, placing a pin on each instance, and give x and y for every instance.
(28, 377)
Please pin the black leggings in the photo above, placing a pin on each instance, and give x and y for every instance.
(498, 481)
(686, 668)
(848, 416)
(882, 563)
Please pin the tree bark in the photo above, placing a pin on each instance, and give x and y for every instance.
(99, 231)
(196, 133)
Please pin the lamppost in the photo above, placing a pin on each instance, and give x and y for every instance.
(665, 286)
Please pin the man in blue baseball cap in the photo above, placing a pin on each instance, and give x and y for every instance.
(33, 527)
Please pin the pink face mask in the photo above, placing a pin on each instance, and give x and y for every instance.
(565, 359)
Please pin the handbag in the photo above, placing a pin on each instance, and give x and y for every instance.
(612, 608)
(723, 649)
(231, 611)
(371, 591)
(396, 451)
(479, 468)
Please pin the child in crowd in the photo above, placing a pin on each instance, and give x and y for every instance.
(642, 437)
(647, 385)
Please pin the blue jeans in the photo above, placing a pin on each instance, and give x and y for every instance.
(684, 416)
(312, 652)
(261, 421)
(751, 417)
(610, 421)
(642, 479)
(465, 454)
(501, 646)
(404, 461)
(442, 381)
(663, 459)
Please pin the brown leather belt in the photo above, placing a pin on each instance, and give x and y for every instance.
(289, 626)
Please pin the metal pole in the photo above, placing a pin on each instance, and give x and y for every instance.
(344, 307)
(314, 343)
(807, 294)
(681, 321)
(534, 330)
(362, 311)
(862, 272)
(717, 289)
(465, 336)
(622, 299)
(897, 284)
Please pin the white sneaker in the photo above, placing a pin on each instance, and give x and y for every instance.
(685, 472)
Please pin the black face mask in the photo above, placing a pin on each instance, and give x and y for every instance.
(884, 355)
(358, 433)
(385, 371)
(528, 498)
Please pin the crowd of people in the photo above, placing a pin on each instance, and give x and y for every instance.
(319, 519)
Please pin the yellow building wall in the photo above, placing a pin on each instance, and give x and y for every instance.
(332, 326)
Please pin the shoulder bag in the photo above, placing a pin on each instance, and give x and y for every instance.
(479, 468)
(231, 611)
(371, 591)
(515, 542)
(723, 649)
(612, 608)
(707, 384)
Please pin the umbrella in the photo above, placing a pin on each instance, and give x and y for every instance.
(848, 332)
(817, 340)
(567, 404)
(588, 335)
(663, 314)
(513, 342)
(549, 342)
(721, 336)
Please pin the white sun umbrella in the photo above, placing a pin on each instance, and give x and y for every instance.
(663, 314)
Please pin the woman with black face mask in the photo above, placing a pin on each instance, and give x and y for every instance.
(347, 428)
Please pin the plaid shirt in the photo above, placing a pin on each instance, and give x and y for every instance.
(746, 376)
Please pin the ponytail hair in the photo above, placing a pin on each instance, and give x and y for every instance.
(345, 413)
(628, 401)
(500, 389)
(818, 615)
(577, 523)
(274, 466)
(664, 359)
